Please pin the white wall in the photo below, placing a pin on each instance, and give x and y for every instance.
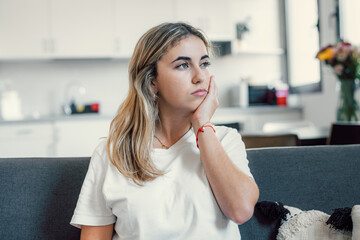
(41, 84)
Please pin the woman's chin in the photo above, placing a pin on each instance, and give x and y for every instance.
(195, 107)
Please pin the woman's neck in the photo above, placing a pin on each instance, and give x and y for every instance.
(171, 127)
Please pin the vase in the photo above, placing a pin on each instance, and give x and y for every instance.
(348, 107)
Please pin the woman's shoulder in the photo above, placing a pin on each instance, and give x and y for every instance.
(101, 146)
(101, 162)
(99, 155)
(228, 136)
(223, 131)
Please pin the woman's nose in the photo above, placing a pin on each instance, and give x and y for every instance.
(198, 76)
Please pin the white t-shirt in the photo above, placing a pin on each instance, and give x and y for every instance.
(177, 205)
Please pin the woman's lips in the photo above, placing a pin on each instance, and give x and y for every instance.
(200, 92)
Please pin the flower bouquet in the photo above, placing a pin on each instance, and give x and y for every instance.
(345, 61)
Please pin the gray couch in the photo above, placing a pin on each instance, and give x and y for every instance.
(38, 195)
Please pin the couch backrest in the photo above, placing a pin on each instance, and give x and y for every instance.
(38, 197)
(312, 177)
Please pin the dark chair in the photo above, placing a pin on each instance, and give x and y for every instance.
(235, 125)
(344, 133)
(270, 140)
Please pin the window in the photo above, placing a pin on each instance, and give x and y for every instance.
(349, 20)
(302, 44)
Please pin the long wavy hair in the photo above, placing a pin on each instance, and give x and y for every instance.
(132, 130)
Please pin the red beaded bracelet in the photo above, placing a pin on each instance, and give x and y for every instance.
(201, 129)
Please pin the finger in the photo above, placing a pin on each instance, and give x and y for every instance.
(212, 85)
(214, 92)
(216, 89)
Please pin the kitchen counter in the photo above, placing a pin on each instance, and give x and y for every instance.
(258, 109)
(55, 118)
(78, 135)
(222, 114)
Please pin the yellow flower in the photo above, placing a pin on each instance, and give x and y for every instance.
(325, 54)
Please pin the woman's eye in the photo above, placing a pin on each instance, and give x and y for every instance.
(183, 66)
(205, 64)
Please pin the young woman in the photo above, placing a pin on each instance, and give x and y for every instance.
(165, 172)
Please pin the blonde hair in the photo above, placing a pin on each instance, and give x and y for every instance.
(131, 132)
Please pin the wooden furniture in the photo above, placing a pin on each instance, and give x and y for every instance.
(308, 133)
(283, 134)
(270, 140)
(344, 133)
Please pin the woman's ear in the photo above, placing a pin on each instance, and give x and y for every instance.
(154, 86)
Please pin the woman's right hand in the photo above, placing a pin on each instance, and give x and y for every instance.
(207, 108)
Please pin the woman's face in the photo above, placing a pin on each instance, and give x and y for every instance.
(183, 76)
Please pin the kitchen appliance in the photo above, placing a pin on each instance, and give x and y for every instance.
(261, 95)
(10, 104)
(240, 94)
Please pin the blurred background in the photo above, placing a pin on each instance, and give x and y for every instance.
(63, 65)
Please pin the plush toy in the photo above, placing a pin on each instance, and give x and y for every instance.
(341, 219)
(343, 224)
(355, 216)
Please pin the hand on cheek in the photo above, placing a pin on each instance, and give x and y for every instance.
(207, 107)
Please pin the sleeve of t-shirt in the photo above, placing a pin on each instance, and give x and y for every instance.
(235, 148)
(91, 208)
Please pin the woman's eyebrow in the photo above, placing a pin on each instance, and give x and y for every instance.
(205, 56)
(182, 58)
(188, 58)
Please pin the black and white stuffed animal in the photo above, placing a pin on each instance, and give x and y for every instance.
(343, 224)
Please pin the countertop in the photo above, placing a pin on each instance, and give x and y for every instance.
(54, 118)
(258, 109)
(219, 114)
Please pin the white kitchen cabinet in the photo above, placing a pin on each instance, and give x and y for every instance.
(82, 28)
(79, 137)
(209, 15)
(53, 138)
(98, 28)
(24, 29)
(56, 29)
(134, 18)
(26, 140)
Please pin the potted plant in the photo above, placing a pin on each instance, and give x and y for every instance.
(344, 59)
